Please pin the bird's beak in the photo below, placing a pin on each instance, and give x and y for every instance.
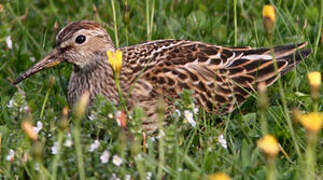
(49, 61)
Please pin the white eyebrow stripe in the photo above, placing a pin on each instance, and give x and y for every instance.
(60, 32)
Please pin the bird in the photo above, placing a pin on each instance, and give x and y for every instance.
(220, 78)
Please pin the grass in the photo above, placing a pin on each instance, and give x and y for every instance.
(181, 152)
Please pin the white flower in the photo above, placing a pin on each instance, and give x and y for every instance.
(37, 166)
(153, 139)
(105, 157)
(179, 169)
(91, 117)
(189, 117)
(118, 116)
(94, 145)
(149, 175)
(117, 160)
(68, 142)
(11, 155)
(32, 59)
(9, 42)
(114, 177)
(55, 148)
(11, 103)
(127, 177)
(23, 108)
(196, 110)
(222, 141)
(110, 115)
(178, 112)
(39, 126)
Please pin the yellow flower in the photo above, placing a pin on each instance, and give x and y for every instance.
(269, 12)
(269, 18)
(312, 122)
(269, 145)
(314, 78)
(115, 59)
(219, 176)
(29, 130)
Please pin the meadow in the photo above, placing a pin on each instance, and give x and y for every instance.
(69, 146)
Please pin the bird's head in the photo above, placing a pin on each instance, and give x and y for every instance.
(79, 43)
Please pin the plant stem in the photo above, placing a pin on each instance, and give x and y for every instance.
(115, 23)
(78, 113)
(310, 156)
(271, 170)
(44, 103)
(78, 148)
(58, 156)
(235, 23)
(319, 30)
(161, 134)
(283, 99)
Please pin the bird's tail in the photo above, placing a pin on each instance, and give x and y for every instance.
(260, 63)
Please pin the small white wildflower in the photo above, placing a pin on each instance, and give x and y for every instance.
(110, 115)
(117, 160)
(127, 177)
(23, 108)
(91, 117)
(38, 127)
(11, 103)
(196, 110)
(105, 157)
(179, 169)
(189, 117)
(37, 166)
(118, 116)
(222, 141)
(68, 141)
(11, 155)
(178, 112)
(55, 148)
(114, 177)
(94, 145)
(153, 139)
(9, 42)
(149, 175)
(32, 59)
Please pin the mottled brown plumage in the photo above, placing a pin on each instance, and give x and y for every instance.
(221, 78)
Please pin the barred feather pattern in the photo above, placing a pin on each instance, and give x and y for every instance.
(220, 78)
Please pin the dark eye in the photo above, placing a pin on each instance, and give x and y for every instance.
(80, 39)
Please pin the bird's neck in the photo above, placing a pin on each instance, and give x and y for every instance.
(96, 78)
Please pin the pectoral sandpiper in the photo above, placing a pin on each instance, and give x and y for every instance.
(221, 78)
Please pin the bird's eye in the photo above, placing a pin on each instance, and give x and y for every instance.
(80, 39)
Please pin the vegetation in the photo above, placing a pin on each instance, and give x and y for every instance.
(40, 140)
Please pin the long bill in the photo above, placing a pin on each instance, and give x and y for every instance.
(49, 61)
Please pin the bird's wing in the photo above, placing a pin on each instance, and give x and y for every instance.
(220, 77)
